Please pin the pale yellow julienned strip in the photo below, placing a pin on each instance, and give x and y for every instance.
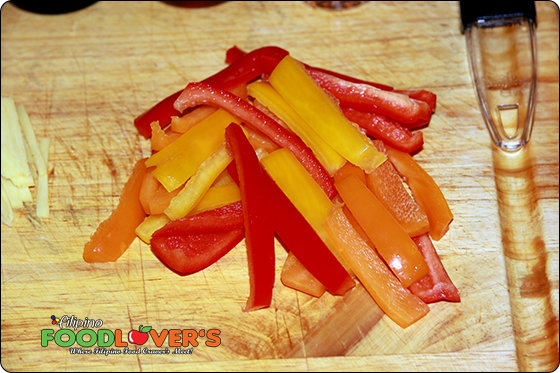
(14, 160)
(199, 184)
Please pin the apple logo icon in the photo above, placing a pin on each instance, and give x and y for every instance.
(139, 336)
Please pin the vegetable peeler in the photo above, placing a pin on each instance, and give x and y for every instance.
(502, 51)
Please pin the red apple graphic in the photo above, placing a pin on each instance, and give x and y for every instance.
(139, 336)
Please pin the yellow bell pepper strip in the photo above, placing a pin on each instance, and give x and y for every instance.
(152, 223)
(425, 191)
(113, 236)
(257, 217)
(310, 200)
(388, 187)
(294, 275)
(218, 196)
(397, 106)
(270, 60)
(390, 239)
(200, 93)
(437, 285)
(177, 162)
(270, 98)
(393, 298)
(198, 184)
(302, 191)
(301, 239)
(323, 114)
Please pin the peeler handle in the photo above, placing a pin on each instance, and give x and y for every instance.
(502, 50)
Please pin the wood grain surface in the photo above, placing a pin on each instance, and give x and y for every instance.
(84, 77)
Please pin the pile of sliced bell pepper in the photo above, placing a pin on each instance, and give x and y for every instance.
(269, 147)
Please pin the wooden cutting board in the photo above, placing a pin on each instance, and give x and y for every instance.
(84, 77)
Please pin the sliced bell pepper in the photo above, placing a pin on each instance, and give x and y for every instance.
(201, 93)
(421, 95)
(152, 223)
(224, 218)
(301, 239)
(257, 217)
(243, 70)
(187, 254)
(177, 162)
(191, 244)
(436, 285)
(160, 138)
(197, 186)
(148, 188)
(218, 196)
(390, 239)
(393, 298)
(294, 275)
(113, 236)
(310, 200)
(161, 113)
(269, 97)
(386, 129)
(270, 60)
(388, 187)
(323, 114)
(350, 168)
(365, 97)
(425, 191)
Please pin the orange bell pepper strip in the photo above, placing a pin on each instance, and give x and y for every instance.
(390, 239)
(294, 275)
(348, 169)
(393, 298)
(257, 217)
(323, 114)
(388, 187)
(113, 237)
(425, 191)
(160, 138)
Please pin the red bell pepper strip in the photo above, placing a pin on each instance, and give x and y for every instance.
(190, 253)
(220, 219)
(436, 285)
(257, 217)
(162, 112)
(301, 239)
(191, 244)
(365, 97)
(386, 129)
(269, 62)
(243, 70)
(201, 93)
(421, 95)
